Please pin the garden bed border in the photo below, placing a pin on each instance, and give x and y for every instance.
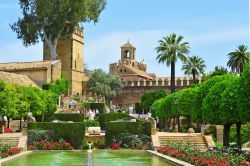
(171, 160)
(9, 158)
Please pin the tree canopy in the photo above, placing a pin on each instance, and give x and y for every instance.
(104, 84)
(16, 101)
(148, 98)
(48, 20)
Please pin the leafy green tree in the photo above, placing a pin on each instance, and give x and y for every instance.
(104, 84)
(169, 50)
(48, 20)
(8, 100)
(165, 108)
(243, 99)
(194, 66)
(186, 101)
(213, 110)
(58, 87)
(202, 91)
(218, 70)
(238, 59)
(149, 98)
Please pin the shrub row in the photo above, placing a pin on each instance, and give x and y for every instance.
(107, 117)
(75, 117)
(113, 129)
(71, 132)
(94, 106)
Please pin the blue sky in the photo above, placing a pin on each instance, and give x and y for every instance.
(212, 27)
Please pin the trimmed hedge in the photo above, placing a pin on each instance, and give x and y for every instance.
(94, 106)
(114, 129)
(107, 117)
(71, 132)
(75, 117)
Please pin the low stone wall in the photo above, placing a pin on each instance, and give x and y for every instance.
(7, 159)
(169, 159)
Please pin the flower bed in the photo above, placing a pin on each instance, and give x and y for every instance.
(138, 142)
(45, 145)
(7, 130)
(7, 150)
(188, 153)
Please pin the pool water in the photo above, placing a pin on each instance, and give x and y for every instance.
(100, 158)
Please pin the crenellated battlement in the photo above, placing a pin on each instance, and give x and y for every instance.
(161, 82)
(79, 31)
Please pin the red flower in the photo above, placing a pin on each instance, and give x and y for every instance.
(115, 146)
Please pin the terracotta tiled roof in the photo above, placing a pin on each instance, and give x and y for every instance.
(127, 45)
(138, 72)
(16, 79)
(27, 65)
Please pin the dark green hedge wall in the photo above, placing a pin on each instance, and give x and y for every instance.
(71, 132)
(116, 128)
(75, 117)
(107, 117)
(94, 106)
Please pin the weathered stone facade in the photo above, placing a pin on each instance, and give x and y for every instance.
(137, 81)
(70, 53)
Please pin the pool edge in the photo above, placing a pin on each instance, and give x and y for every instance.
(172, 160)
(10, 158)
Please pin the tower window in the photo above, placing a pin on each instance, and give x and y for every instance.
(125, 70)
(75, 64)
(120, 70)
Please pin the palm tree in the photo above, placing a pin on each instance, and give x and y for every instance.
(194, 66)
(238, 59)
(169, 50)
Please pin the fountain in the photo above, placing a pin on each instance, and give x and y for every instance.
(90, 159)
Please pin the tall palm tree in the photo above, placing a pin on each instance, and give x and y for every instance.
(194, 66)
(169, 50)
(238, 59)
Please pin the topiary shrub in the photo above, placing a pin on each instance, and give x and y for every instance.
(75, 117)
(91, 123)
(113, 129)
(99, 106)
(107, 117)
(71, 132)
(35, 135)
(94, 106)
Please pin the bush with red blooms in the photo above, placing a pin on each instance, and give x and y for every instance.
(192, 155)
(45, 145)
(7, 130)
(115, 146)
(131, 141)
(7, 150)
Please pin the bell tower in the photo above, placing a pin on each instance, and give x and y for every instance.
(127, 52)
(70, 52)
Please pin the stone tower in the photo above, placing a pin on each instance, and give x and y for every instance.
(70, 52)
(127, 52)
